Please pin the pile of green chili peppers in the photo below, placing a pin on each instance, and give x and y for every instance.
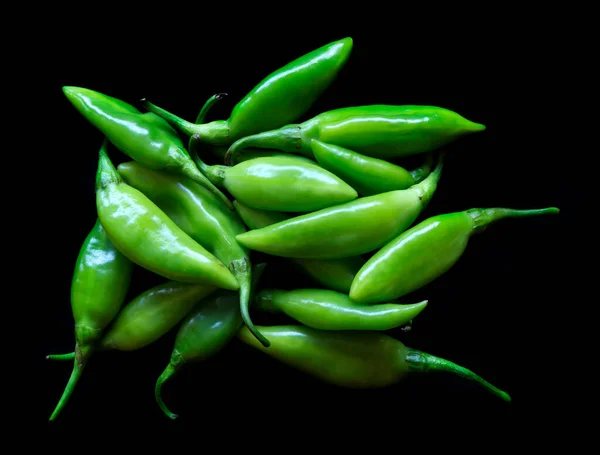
(330, 195)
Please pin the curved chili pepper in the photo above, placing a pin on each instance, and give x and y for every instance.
(336, 274)
(100, 282)
(206, 330)
(278, 99)
(280, 183)
(147, 318)
(329, 310)
(349, 229)
(367, 175)
(148, 237)
(359, 360)
(380, 131)
(201, 216)
(425, 252)
(144, 137)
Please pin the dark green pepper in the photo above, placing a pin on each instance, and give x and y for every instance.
(100, 282)
(148, 237)
(206, 330)
(144, 137)
(336, 274)
(144, 320)
(280, 183)
(380, 131)
(201, 216)
(330, 310)
(349, 229)
(424, 252)
(280, 98)
(366, 174)
(359, 360)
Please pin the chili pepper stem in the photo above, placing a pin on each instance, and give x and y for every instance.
(421, 362)
(482, 218)
(285, 139)
(208, 106)
(427, 187)
(106, 174)
(193, 173)
(215, 133)
(242, 271)
(172, 368)
(82, 355)
(216, 174)
(421, 172)
(69, 356)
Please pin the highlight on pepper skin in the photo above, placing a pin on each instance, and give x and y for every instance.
(326, 206)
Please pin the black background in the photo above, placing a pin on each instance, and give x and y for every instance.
(492, 313)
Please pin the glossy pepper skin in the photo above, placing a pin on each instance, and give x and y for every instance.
(144, 137)
(205, 331)
(367, 175)
(200, 215)
(329, 310)
(349, 229)
(100, 283)
(280, 183)
(278, 99)
(425, 252)
(335, 274)
(148, 237)
(150, 315)
(380, 131)
(358, 360)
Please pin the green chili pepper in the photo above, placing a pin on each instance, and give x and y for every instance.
(329, 310)
(152, 314)
(100, 282)
(145, 137)
(148, 237)
(142, 321)
(424, 252)
(336, 274)
(379, 131)
(206, 330)
(280, 183)
(280, 98)
(365, 174)
(201, 216)
(349, 229)
(357, 360)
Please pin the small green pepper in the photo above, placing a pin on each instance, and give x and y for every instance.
(278, 99)
(280, 183)
(206, 330)
(148, 237)
(349, 229)
(425, 252)
(100, 282)
(329, 310)
(336, 274)
(367, 175)
(142, 321)
(379, 131)
(152, 314)
(358, 360)
(200, 215)
(144, 137)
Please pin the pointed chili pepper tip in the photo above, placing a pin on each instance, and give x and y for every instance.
(220, 96)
